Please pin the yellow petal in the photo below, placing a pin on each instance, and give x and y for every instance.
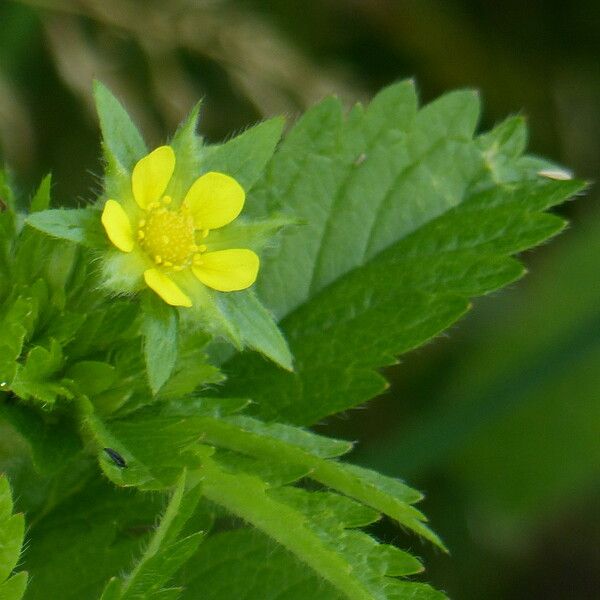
(166, 288)
(117, 226)
(228, 270)
(151, 175)
(214, 200)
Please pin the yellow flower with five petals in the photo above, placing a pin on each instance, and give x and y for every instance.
(171, 236)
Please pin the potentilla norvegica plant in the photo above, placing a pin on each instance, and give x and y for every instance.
(164, 350)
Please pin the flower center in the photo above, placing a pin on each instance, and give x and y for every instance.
(168, 236)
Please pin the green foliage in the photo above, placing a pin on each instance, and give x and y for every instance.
(240, 317)
(393, 218)
(159, 329)
(38, 378)
(81, 225)
(509, 411)
(405, 216)
(121, 140)
(12, 531)
(165, 554)
(98, 531)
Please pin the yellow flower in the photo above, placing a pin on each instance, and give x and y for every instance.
(172, 235)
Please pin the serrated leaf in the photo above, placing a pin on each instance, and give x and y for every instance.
(291, 446)
(336, 556)
(154, 450)
(120, 136)
(13, 332)
(404, 216)
(161, 339)
(504, 413)
(39, 378)
(12, 531)
(79, 225)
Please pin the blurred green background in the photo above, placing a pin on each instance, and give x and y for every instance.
(499, 422)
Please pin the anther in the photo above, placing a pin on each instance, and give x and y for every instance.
(157, 259)
(141, 235)
(202, 248)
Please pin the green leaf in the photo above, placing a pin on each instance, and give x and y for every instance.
(187, 145)
(292, 446)
(79, 225)
(246, 565)
(14, 588)
(98, 532)
(192, 369)
(160, 332)
(53, 439)
(41, 199)
(155, 450)
(508, 409)
(12, 531)
(15, 324)
(166, 551)
(92, 377)
(351, 561)
(244, 157)
(120, 136)
(39, 378)
(158, 445)
(256, 327)
(404, 216)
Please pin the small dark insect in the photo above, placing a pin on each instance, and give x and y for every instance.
(3, 205)
(116, 458)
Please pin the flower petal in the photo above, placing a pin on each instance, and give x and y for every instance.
(151, 175)
(166, 288)
(228, 270)
(214, 200)
(117, 226)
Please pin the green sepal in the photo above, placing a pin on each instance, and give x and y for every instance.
(160, 330)
(79, 225)
(121, 138)
(245, 156)
(256, 326)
